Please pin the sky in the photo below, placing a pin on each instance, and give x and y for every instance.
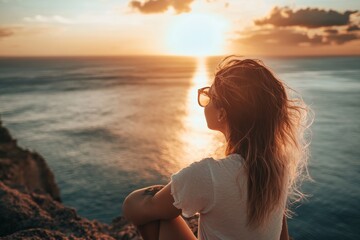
(179, 27)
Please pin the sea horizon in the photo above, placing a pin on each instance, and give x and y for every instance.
(185, 56)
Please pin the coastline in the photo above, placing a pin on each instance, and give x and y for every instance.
(30, 202)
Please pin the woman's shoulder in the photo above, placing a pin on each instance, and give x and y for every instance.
(203, 163)
(196, 172)
(233, 158)
(209, 163)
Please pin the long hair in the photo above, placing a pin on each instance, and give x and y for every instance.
(267, 127)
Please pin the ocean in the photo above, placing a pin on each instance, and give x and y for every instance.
(109, 125)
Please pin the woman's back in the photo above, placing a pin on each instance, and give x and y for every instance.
(217, 189)
(244, 195)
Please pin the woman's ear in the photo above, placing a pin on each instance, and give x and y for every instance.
(221, 115)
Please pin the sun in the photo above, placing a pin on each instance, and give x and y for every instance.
(196, 35)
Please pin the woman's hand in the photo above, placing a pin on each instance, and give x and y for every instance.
(149, 204)
(153, 190)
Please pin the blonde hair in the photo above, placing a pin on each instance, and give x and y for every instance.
(268, 128)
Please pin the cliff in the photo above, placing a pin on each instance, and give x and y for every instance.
(25, 170)
(30, 206)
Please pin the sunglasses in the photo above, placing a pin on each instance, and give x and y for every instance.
(204, 96)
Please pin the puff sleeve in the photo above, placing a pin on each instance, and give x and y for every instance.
(192, 188)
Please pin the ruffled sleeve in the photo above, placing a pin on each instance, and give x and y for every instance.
(192, 188)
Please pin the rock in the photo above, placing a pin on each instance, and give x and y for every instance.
(24, 215)
(36, 234)
(5, 136)
(38, 216)
(23, 169)
(30, 206)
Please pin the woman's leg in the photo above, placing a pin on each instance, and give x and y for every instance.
(150, 231)
(174, 229)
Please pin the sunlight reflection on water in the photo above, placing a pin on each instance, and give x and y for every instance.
(199, 141)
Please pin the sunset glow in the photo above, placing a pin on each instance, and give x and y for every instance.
(196, 35)
(182, 28)
(197, 133)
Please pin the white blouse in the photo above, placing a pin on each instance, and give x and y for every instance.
(217, 190)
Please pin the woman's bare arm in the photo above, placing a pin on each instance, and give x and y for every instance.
(149, 204)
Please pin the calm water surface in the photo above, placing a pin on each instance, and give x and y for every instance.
(107, 126)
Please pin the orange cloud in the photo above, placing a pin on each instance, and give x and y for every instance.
(6, 32)
(159, 6)
(10, 31)
(352, 28)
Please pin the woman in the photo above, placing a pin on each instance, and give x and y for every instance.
(244, 195)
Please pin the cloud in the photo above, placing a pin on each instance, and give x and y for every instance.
(341, 38)
(6, 32)
(273, 37)
(107, 19)
(49, 19)
(303, 27)
(352, 28)
(14, 30)
(308, 17)
(159, 6)
(331, 31)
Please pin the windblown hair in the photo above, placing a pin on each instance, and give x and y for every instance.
(268, 128)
